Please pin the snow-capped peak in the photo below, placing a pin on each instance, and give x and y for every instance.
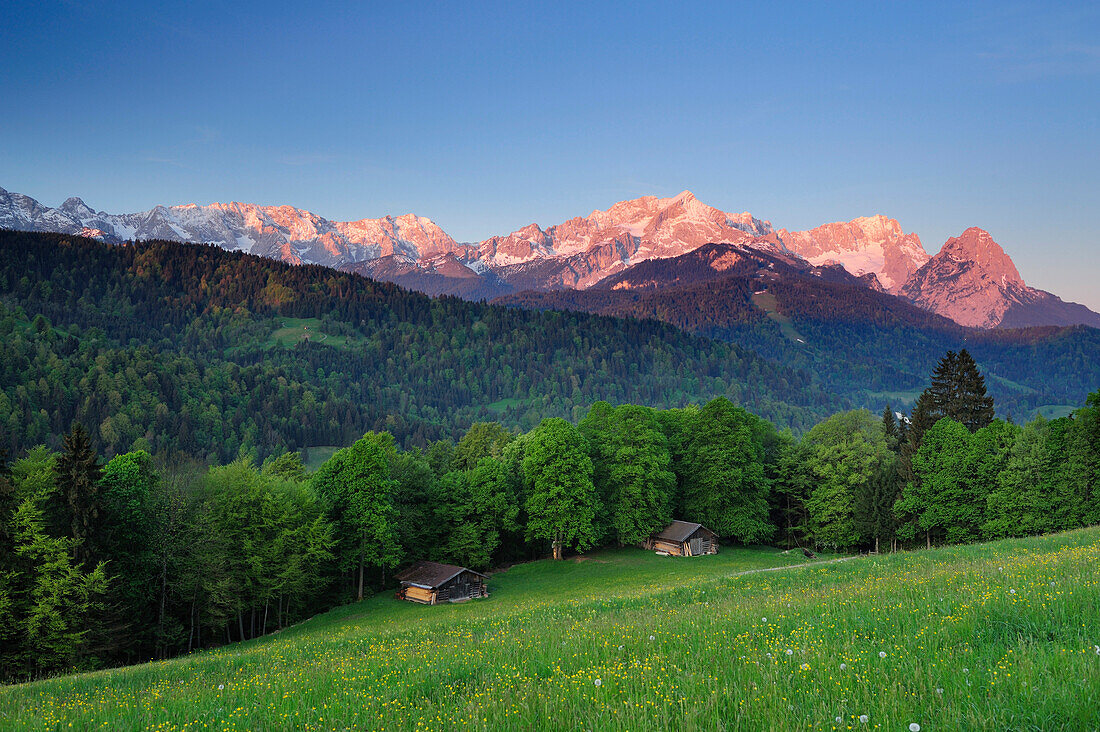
(865, 245)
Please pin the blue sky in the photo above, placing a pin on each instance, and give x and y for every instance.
(486, 117)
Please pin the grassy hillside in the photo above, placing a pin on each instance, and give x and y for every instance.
(994, 636)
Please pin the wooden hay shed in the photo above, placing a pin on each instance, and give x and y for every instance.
(431, 583)
(684, 539)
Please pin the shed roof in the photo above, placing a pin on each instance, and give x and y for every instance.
(431, 574)
(680, 531)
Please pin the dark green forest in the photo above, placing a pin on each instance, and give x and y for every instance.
(108, 562)
(867, 347)
(168, 348)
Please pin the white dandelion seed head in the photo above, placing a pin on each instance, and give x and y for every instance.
(598, 682)
(843, 666)
(653, 637)
(763, 620)
(839, 720)
(863, 718)
(790, 652)
(914, 727)
(966, 670)
(1012, 592)
(221, 687)
(939, 691)
(620, 648)
(882, 654)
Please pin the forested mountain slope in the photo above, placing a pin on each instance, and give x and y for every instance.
(189, 349)
(867, 346)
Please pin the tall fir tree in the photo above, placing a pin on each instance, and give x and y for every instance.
(78, 474)
(794, 481)
(957, 390)
(890, 428)
(941, 391)
(970, 405)
(874, 504)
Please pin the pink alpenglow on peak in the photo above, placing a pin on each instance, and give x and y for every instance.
(593, 247)
(975, 283)
(866, 245)
(633, 243)
(977, 246)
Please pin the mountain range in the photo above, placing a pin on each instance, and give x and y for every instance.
(971, 281)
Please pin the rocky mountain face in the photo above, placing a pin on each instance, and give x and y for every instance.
(975, 283)
(874, 245)
(719, 283)
(280, 232)
(971, 280)
(580, 252)
(573, 254)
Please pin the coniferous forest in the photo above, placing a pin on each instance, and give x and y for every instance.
(154, 498)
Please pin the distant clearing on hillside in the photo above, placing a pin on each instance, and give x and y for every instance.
(292, 331)
(767, 302)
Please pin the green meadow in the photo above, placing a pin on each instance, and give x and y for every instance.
(291, 331)
(767, 302)
(987, 636)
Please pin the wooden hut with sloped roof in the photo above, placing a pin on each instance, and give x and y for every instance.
(684, 539)
(431, 583)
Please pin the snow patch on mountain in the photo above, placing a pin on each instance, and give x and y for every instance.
(866, 245)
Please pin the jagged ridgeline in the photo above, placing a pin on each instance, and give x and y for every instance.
(868, 347)
(192, 350)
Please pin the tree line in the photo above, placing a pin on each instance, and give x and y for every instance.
(112, 562)
(168, 348)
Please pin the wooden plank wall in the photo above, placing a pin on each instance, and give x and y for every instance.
(671, 547)
(419, 594)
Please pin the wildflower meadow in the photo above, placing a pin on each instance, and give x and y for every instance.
(1003, 635)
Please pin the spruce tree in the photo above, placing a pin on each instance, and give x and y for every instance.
(78, 474)
(970, 404)
(890, 428)
(958, 391)
(943, 388)
(874, 504)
